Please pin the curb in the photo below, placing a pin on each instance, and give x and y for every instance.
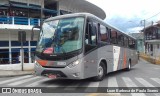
(15, 73)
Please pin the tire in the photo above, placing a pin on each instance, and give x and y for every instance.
(101, 72)
(129, 66)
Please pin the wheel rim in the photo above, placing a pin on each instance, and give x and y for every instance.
(100, 71)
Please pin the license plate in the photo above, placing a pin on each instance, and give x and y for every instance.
(52, 76)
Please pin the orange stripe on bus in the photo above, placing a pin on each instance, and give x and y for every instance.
(42, 62)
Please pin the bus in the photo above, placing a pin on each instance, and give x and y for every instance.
(81, 45)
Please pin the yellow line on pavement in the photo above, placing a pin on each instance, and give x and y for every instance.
(104, 94)
(92, 94)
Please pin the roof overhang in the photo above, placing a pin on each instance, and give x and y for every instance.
(80, 6)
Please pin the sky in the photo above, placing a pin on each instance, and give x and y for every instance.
(127, 15)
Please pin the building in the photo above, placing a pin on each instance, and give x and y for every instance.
(152, 40)
(22, 15)
(140, 41)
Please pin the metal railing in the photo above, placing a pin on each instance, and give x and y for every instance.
(19, 20)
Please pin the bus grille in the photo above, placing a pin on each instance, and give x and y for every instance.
(52, 72)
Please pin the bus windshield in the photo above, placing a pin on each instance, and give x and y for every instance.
(61, 36)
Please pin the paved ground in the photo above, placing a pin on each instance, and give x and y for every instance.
(141, 75)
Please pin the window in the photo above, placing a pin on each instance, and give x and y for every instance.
(158, 33)
(4, 43)
(152, 33)
(113, 37)
(91, 36)
(33, 43)
(132, 43)
(103, 33)
(120, 39)
(16, 43)
(125, 41)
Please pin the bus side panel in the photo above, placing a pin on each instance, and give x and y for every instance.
(134, 57)
(121, 56)
(129, 51)
(106, 53)
(90, 64)
(92, 60)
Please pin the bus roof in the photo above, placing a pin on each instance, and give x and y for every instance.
(90, 16)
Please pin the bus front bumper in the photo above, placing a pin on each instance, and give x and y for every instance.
(62, 73)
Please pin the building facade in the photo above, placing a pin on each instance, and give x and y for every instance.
(22, 15)
(152, 40)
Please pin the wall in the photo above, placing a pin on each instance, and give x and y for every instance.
(36, 2)
(4, 2)
(63, 5)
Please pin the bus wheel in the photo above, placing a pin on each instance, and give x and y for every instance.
(129, 66)
(101, 72)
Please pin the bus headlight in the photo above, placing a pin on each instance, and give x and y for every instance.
(74, 63)
(36, 63)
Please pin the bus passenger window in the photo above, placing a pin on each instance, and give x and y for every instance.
(120, 39)
(90, 37)
(113, 37)
(125, 41)
(132, 43)
(103, 33)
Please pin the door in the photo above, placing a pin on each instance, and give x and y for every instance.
(90, 58)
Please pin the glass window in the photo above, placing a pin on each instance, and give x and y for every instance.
(91, 36)
(62, 36)
(158, 33)
(16, 43)
(132, 43)
(113, 37)
(33, 43)
(125, 41)
(4, 56)
(4, 43)
(120, 39)
(16, 54)
(103, 33)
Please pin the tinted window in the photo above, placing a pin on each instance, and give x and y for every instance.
(132, 43)
(125, 41)
(103, 33)
(4, 43)
(113, 37)
(91, 36)
(120, 39)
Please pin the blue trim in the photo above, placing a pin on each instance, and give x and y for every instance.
(33, 5)
(50, 11)
(34, 21)
(5, 20)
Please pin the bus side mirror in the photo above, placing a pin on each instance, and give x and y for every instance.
(32, 32)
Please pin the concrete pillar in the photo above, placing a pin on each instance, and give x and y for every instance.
(29, 51)
(10, 51)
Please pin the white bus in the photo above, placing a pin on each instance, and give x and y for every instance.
(80, 45)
